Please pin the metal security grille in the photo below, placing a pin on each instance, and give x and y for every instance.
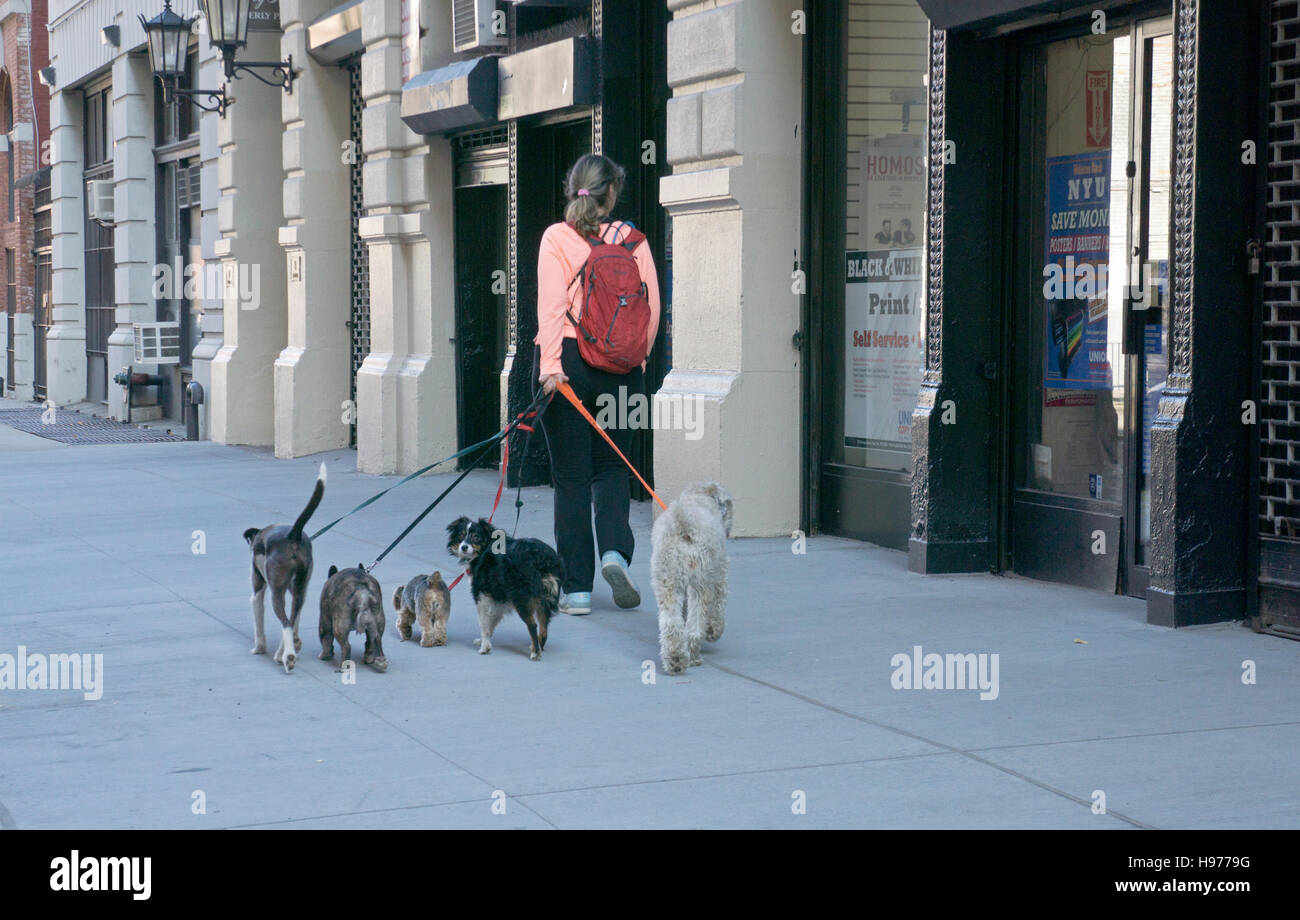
(68, 426)
(1279, 512)
(360, 254)
(488, 137)
(41, 319)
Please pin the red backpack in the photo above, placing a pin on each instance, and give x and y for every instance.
(615, 308)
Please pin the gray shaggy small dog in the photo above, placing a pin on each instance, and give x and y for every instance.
(688, 570)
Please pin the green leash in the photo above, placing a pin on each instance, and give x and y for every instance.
(420, 472)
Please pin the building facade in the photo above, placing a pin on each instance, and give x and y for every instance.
(1005, 285)
(24, 120)
(1095, 378)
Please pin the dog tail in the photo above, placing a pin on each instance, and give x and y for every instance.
(312, 503)
(551, 585)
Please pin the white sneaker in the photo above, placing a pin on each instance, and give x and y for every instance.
(614, 569)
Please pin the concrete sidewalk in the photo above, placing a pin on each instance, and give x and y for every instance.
(793, 705)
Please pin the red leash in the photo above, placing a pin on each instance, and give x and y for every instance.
(501, 484)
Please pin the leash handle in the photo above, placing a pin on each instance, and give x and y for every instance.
(567, 392)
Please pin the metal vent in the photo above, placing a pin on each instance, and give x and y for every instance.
(482, 157)
(1279, 512)
(471, 25)
(488, 137)
(157, 343)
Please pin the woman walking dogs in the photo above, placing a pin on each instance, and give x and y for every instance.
(586, 286)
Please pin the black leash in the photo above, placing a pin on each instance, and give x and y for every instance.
(503, 433)
(519, 488)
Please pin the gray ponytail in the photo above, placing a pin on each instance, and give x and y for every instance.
(598, 175)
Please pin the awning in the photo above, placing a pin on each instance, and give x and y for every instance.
(453, 97)
(335, 35)
(984, 14)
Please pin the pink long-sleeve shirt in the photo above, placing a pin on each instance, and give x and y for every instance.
(560, 257)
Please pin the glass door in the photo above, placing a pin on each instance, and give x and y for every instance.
(1148, 328)
(1092, 268)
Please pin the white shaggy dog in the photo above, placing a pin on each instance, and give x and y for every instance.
(688, 569)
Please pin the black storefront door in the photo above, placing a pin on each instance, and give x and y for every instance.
(482, 261)
(1087, 336)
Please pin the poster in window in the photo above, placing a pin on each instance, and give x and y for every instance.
(1075, 276)
(883, 351)
(884, 300)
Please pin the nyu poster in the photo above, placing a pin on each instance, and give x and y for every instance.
(1075, 273)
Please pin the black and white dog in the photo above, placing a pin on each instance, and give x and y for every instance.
(282, 559)
(505, 573)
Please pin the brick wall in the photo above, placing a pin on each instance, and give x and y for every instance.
(26, 50)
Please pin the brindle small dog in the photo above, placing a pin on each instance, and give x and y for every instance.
(352, 601)
(425, 600)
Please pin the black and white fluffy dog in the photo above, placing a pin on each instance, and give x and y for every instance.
(506, 573)
(282, 559)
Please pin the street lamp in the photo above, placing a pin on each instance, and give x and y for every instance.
(227, 22)
(227, 26)
(169, 37)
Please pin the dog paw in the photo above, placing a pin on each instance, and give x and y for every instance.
(289, 661)
(297, 644)
(696, 660)
(259, 649)
(326, 655)
(403, 634)
(675, 664)
(713, 634)
(534, 656)
(379, 664)
(427, 642)
(485, 648)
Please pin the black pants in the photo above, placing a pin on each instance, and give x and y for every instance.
(585, 471)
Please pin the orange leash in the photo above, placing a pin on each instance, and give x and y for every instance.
(572, 397)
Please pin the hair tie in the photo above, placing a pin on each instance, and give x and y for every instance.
(582, 192)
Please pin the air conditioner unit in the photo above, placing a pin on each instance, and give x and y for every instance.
(99, 200)
(472, 25)
(157, 343)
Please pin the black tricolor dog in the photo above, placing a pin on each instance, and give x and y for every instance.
(282, 559)
(505, 573)
(352, 601)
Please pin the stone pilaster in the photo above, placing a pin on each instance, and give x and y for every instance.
(66, 341)
(734, 198)
(249, 214)
(134, 210)
(211, 323)
(406, 388)
(311, 373)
